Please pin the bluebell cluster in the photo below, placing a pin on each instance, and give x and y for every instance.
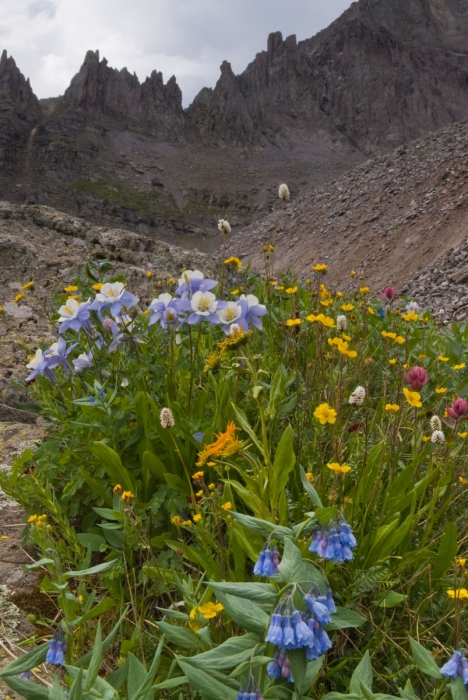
(57, 649)
(251, 692)
(456, 666)
(291, 629)
(268, 560)
(280, 667)
(334, 542)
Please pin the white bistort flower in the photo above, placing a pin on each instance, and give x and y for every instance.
(436, 423)
(284, 193)
(166, 418)
(358, 396)
(341, 323)
(438, 437)
(224, 226)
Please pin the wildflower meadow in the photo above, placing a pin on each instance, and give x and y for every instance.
(250, 487)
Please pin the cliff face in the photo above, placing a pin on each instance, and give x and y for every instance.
(116, 150)
(19, 109)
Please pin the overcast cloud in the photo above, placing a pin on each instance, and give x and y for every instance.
(186, 38)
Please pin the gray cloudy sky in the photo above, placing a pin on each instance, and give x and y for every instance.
(187, 38)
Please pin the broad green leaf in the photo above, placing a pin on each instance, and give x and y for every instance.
(181, 636)
(446, 552)
(245, 612)
(389, 599)
(283, 464)
(90, 572)
(344, 618)
(362, 674)
(309, 489)
(208, 687)
(33, 658)
(424, 660)
(112, 463)
(260, 592)
(232, 652)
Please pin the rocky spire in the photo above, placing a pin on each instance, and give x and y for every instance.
(16, 95)
(98, 91)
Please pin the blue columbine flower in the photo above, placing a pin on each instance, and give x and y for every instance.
(57, 649)
(165, 310)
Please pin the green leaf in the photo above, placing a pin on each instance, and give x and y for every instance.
(90, 572)
(458, 689)
(389, 599)
(309, 489)
(262, 527)
(362, 675)
(291, 563)
(260, 592)
(113, 466)
(181, 636)
(245, 612)
(208, 687)
(96, 659)
(344, 618)
(33, 658)
(283, 464)
(30, 691)
(232, 652)
(424, 660)
(446, 552)
(76, 690)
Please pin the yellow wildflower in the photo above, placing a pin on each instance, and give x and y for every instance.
(227, 505)
(410, 316)
(197, 517)
(291, 290)
(326, 321)
(325, 414)
(412, 397)
(392, 408)
(210, 610)
(18, 297)
(335, 467)
(460, 366)
(176, 520)
(235, 262)
(442, 358)
(28, 285)
(347, 307)
(441, 390)
(460, 593)
(293, 322)
(320, 267)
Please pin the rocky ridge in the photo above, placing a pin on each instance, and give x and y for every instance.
(124, 153)
(388, 219)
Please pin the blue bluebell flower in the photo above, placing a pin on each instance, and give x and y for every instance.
(268, 560)
(280, 667)
(57, 649)
(113, 296)
(275, 630)
(166, 310)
